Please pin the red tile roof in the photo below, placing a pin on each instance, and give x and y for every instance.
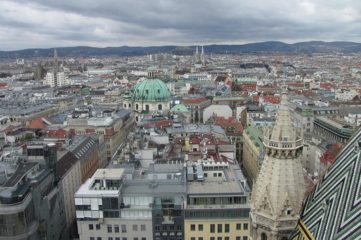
(326, 86)
(159, 123)
(37, 123)
(195, 101)
(227, 123)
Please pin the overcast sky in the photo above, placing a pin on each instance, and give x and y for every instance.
(101, 23)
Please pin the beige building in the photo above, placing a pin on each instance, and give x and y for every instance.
(252, 152)
(114, 128)
(217, 202)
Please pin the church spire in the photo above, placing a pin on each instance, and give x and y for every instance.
(280, 186)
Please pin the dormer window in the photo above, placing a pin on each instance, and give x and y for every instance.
(147, 91)
(158, 90)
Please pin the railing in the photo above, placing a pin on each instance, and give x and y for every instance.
(283, 144)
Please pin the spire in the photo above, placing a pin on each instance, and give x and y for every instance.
(202, 50)
(196, 50)
(55, 60)
(280, 186)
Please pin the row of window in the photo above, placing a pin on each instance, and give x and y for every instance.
(116, 228)
(220, 238)
(168, 227)
(115, 238)
(160, 106)
(219, 227)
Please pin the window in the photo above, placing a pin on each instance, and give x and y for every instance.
(238, 226)
(117, 238)
(263, 236)
(289, 211)
(193, 238)
(212, 238)
(226, 228)
(147, 108)
(219, 238)
(91, 227)
(245, 238)
(219, 174)
(91, 238)
(160, 107)
(213, 228)
(214, 174)
(136, 106)
(193, 227)
(200, 238)
(245, 226)
(110, 229)
(124, 238)
(226, 238)
(238, 238)
(219, 228)
(142, 227)
(135, 238)
(135, 227)
(143, 238)
(110, 238)
(179, 227)
(99, 238)
(124, 228)
(97, 226)
(116, 228)
(157, 227)
(200, 227)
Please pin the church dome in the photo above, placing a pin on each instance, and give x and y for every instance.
(151, 90)
(179, 108)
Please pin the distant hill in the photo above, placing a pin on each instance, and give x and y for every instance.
(261, 47)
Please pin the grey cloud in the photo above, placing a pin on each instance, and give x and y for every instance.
(156, 22)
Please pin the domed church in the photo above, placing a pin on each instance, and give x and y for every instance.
(148, 96)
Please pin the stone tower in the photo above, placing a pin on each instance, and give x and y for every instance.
(280, 186)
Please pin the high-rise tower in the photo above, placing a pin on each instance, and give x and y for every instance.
(280, 186)
(55, 61)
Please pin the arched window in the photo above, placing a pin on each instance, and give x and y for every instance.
(136, 118)
(136, 106)
(263, 236)
(125, 105)
(160, 106)
(129, 105)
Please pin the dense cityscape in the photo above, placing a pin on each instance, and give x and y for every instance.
(200, 146)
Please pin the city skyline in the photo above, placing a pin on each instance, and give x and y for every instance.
(44, 24)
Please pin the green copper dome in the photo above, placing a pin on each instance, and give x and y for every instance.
(151, 90)
(179, 108)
